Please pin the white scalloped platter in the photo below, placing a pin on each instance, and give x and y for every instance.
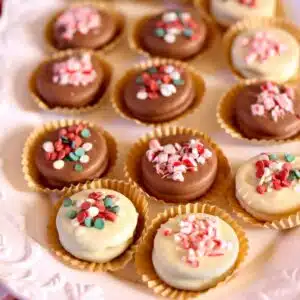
(27, 270)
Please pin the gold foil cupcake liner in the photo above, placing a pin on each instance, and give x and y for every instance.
(105, 6)
(132, 193)
(286, 222)
(117, 98)
(101, 97)
(32, 175)
(226, 115)
(252, 23)
(132, 168)
(143, 257)
(212, 35)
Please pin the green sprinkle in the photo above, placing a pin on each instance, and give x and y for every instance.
(297, 173)
(73, 156)
(71, 214)
(160, 32)
(178, 82)
(68, 202)
(139, 80)
(188, 32)
(108, 202)
(115, 209)
(67, 158)
(152, 70)
(292, 176)
(85, 133)
(78, 168)
(80, 152)
(88, 222)
(65, 140)
(272, 156)
(73, 145)
(289, 157)
(99, 223)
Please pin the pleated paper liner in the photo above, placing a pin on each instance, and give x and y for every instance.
(143, 257)
(100, 98)
(132, 193)
(100, 5)
(30, 171)
(285, 222)
(132, 169)
(205, 4)
(212, 34)
(252, 23)
(226, 115)
(117, 98)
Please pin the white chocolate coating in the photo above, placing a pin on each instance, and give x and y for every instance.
(171, 269)
(228, 12)
(93, 244)
(278, 68)
(273, 204)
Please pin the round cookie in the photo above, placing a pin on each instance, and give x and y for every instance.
(174, 34)
(83, 27)
(71, 155)
(96, 225)
(267, 110)
(229, 12)
(266, 53)
(71, 81)
(178, 168)
(159, 93)
(195, 251)
(268, 186)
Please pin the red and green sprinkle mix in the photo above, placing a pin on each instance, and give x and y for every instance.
(176, 23)
(69, 147)
(93, 211)
(159, 81)
(275, 174)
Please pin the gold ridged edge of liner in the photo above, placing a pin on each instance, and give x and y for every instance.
(252, 23)
(135, 195)
(117, 98)
(132, 162)
(225, 115)
(105, 86)
(29, 169)
(212, 36)
(109, 7)
(143, 256)
(285, 222)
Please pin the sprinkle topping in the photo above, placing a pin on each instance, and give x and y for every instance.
(176, 23)
(93, 211)
(274, 100)
(249, 3)
(198, 237)
(69, 147)
(261, 47)
(273, 173)
(78, 19)
(159, 81)
(75, 71)
(173, 160)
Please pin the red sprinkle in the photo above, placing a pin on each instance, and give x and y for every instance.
(62, 132)
(85, 205)
(261, 189)
(82, 216)
(94, 195)
(110, 216)
(61, 154)
(100, 206)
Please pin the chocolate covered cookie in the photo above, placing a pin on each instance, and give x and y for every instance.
(174, 34)
(267, 110)
(178, 168)
(159, 93)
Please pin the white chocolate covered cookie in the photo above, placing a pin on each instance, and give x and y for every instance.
(266, 53)
(96, 225)
(194, 252)
(268, 186)
(227, 12)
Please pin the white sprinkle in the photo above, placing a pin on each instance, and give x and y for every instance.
(84, 159)
(58, 164)
(142, 95)
(297, 188)
(185, 16)
(175, 75)
(173, 30)
(93, 211)
(170, 38)
(92, 201)
(169, 69)
(87, 147)
(207, 153)
(167, 90)
(201, 160)
(48, 147)
(169, 149)
(169, 17)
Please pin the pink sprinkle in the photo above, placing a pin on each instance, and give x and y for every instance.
(167, 232)
(154, 145)
(290, 92)
(257, 110)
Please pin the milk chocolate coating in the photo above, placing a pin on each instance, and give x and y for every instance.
(67, 95)
(94, 39)
(98, 164)
(264, 127)
(195, 184)
(182, 48)
(163, 108)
